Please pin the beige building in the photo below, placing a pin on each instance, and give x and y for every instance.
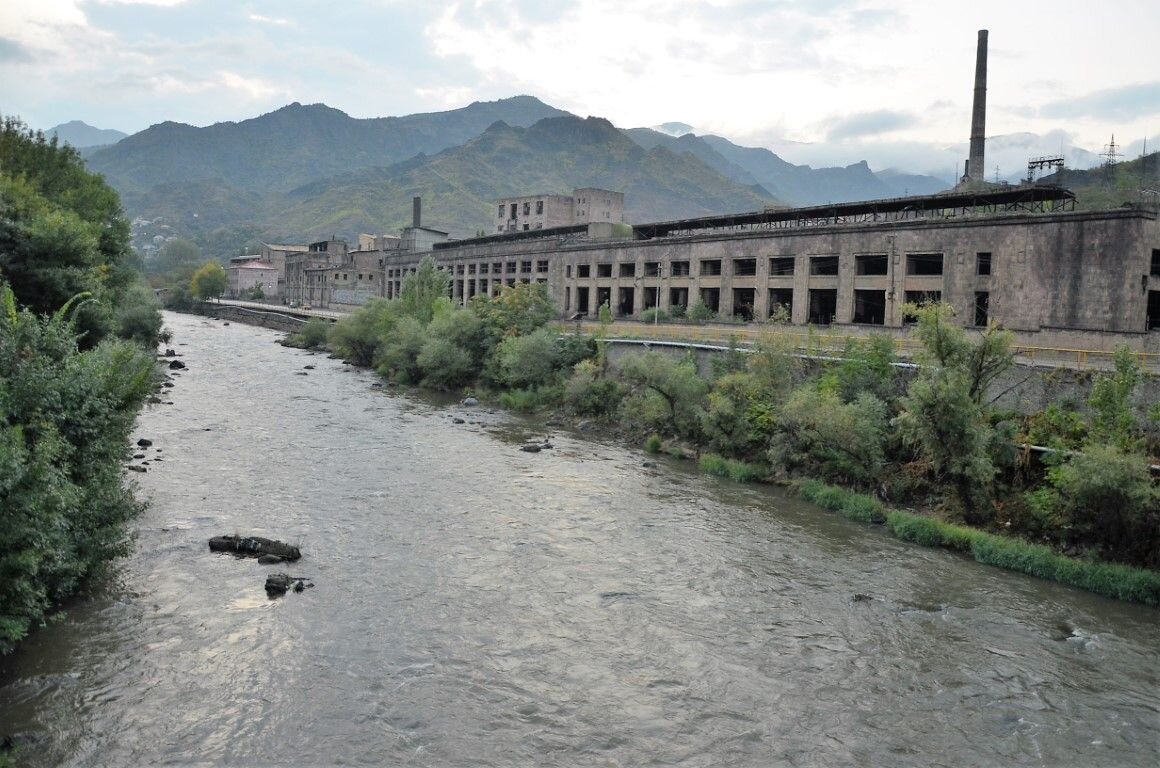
(246, 276)
(584, 205)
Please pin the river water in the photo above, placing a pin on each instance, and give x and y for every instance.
(479, 606)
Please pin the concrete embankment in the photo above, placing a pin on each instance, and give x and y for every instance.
(277, 318)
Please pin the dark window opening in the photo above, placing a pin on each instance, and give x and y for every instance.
(924, 264)
(527, 208)
(823, 305)
(527, 227)
(651, 295)
(583, 270)
(568, 271)
(1153, 310)
(582, 300)
(781, 266)
(680, 268)
(824, 265)
(539, 206)
(542, 266)
(624, 301)
(982, 263)
(1156, 262)
(870, 307)
(982, 307)
(678, 297)
(743, 299)
(711, 298)
(513, 211)
(781, 303)
(603, 296)
(497, 268)
(871, 264)
(710, 266)
(471, 269)
(628, 270)
(510, 267)
(483, 268)
(525, 267)
(501, 211)
(744, 267)
(652, 269)
(604, 270)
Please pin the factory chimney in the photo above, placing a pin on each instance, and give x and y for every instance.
(417, 211)
(976, 170)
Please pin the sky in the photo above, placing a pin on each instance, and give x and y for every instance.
(818, 81)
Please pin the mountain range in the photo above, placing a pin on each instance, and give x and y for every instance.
(310, 171)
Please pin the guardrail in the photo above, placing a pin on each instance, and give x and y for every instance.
(824, 342)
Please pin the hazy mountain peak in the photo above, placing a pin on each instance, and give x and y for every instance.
(673, 129)
(81, 135)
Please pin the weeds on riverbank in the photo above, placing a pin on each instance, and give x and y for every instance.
(738, 471)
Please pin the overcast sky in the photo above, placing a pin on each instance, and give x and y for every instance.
(883, 81)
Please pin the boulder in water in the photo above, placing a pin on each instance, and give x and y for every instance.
(254, 546)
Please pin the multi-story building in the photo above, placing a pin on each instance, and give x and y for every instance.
(584, 205)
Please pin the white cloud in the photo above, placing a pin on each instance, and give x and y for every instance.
(278, 22)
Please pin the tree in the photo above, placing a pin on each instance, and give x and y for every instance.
(422, 288)
(675, 383)
(943, 417)
(174, 257)
(209, 281)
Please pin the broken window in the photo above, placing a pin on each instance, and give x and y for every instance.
(781, 303)
(982, 264)
(710, 266)
(823, 305)
(527, 209)
(680, 269)
(1153, 310)
(513, 211)
(583, 270)
(542, 266)
(628, 270)
(870, 307)
(539, 206)
(744, 267)
(652, 269)
(781, 266)
(604, 270)
(870, 264)
(743, 299)
(982, 307)
(924, 264)
(826, 266)
(501, 211)
(711, 298)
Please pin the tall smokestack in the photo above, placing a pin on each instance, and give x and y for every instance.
(976, 170)
(417, 209)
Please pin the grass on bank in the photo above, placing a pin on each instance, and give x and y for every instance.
(739, 471)
(1114, 580)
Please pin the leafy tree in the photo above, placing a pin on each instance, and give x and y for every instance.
(529, 361)
(61, 232)
(943, 417)
(209, 281)
(359, 336)
(517, 310)
(445, 364)
(842, 442)
(176, 256)
(740, 416)
(1113, 421)
(422, 289)
(674, 383)
(590, 393)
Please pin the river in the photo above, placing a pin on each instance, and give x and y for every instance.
(475, 605)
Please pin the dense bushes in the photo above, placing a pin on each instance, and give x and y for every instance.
(65, 417)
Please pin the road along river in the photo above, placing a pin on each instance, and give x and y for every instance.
(480, 606)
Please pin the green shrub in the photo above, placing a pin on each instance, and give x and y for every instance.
(65, 419)
(590, 394)
(839, 441)
(653, 443)
(530, 398)
(529, 361)
(445, 365)
(312, 335)
(654, 315)
(699, 313)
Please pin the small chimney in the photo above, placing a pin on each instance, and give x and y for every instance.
(416, 212)
(976, 169)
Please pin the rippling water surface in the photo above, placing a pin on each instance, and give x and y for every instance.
(479, 606)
